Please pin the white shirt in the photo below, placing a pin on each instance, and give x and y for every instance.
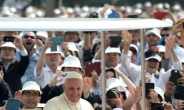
(134, 72)
(45, 76)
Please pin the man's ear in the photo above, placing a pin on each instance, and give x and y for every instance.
(63, 85)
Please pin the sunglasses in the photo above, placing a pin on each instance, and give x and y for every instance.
(179, 37)
(163, 35)
(27, 36)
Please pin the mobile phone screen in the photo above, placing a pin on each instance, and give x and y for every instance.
(175, 75)
(56, 41)
(160, 15)
(115, 41)
(13, 104)
(149, 86)
(88, 69)
(8, 39)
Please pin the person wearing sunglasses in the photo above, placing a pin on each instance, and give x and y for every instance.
(29, 41)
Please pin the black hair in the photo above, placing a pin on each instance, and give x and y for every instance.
(166, 29)
(111, 70)
(150, 53)
(94, 47)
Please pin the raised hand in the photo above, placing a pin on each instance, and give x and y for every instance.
(17, 95)
(127, 37)
(87, 82)
(169, 87)
(136, 92)
(94, 79)
(170, 43)
(154, 96)
(177, 28)
(55, 79)
(18, 43)
(102, 13)
(48, 44)
(180, 105)
(181, 80)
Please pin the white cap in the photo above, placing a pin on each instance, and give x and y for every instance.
(155, 31)
(176, 7)
(85, 9)
(72, 46)
(48, 51)
(134, 46)
(160, 92)
(57, 11)
(69, 10)
(42, 34)
(161, 48)
(8, 44)
(115, 83)
(157, 57)
(148, 4)
(73, 74)
(112, 50)
(71, 61)
(31, 85)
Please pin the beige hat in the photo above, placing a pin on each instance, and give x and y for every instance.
(73, 74)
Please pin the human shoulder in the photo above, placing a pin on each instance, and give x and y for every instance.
(85, 104)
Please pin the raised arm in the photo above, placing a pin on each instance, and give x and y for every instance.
(129, 83)
(41, 59)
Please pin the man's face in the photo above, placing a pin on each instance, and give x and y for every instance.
(71, 37)
(73, 89)
(165, 34)
(7, 53)
(112, 59)
(152, 39)
(30, 99)
(29, 40)
(135, 36)
(53, 59)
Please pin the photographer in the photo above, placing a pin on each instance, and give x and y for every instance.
(13, 71)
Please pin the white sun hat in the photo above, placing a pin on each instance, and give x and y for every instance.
(8, 44)
(42, 34)
(115, 83)
(134, 46)
(155, 31)
(72, 46)
(48, 51)
(157, 57)
(160, 92)
(112, 50)
(31, 85)
(71, 61)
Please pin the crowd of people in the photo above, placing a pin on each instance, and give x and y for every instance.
(43, 78)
